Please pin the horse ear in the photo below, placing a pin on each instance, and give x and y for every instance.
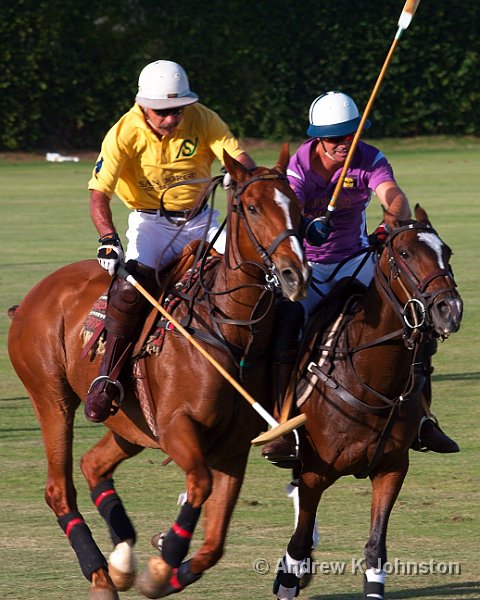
(421, 215)
(283, 159)
(237, 171)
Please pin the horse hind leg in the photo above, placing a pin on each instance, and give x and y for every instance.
(168, 573)
(56, 420)
(386, 486)
(98, 466)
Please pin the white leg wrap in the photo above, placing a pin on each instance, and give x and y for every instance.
(286, 593)
(123, 557)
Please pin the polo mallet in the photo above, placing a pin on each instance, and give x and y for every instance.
(403, 22)
(279, 429)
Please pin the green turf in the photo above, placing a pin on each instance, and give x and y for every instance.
(45, 224)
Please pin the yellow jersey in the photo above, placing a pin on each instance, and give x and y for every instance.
(138, 166)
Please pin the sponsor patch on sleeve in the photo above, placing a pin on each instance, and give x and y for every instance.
(98, 166)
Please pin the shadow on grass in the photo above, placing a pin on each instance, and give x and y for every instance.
(452, 590)
(457, 376)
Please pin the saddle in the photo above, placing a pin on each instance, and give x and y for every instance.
(178, 277)
(323, 330)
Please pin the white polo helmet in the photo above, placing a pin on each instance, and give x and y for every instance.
(334, 114)
(164, 84)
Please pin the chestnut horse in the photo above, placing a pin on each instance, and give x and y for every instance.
(200, 421)
(360, 388)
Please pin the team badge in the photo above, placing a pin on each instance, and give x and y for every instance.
(350, 183)
(188, 148)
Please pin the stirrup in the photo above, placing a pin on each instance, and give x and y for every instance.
(430, 417)
(116, 403)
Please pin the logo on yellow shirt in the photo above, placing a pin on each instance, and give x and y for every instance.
(188, 148)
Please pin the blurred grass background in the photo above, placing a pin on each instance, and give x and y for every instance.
(45, 224)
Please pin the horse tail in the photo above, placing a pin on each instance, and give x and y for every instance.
(12, 311)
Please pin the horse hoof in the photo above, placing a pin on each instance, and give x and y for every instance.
(122, 581)
(96, 593)
(154, 580)
(122, 566)
(305, 580)
(157, 541)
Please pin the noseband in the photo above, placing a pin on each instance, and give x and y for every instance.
(420, 301)
(264, 253)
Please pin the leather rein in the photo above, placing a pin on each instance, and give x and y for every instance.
(416, 309)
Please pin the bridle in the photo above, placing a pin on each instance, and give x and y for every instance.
(416, 311)
(237, 207)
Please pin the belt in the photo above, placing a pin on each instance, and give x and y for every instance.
(179, 214)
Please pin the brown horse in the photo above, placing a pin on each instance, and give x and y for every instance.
(360, 388)
(199, 419)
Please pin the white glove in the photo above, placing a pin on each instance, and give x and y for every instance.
(227, 181)
(110, 253)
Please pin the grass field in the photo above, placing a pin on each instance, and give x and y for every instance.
(45, 224)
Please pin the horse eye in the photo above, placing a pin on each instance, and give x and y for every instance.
(251, 209)
(404, 254)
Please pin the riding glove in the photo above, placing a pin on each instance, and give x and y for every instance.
(110, 253)
(378, 238)
(316, 231)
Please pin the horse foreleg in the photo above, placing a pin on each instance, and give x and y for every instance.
(168, 574)
(295, 565)
(98, 466)
(386, 486)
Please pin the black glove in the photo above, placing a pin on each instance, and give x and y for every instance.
(378, 238)
(110, 253)
(316, 231)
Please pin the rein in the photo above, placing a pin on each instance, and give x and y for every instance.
(416, 309)
(415, 312)
(266, 265)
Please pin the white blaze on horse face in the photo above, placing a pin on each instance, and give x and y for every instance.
(284, 203)
(435, 244)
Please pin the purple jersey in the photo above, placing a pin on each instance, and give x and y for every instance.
(367, 170)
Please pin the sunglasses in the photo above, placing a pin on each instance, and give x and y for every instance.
(165, 112)
(340, 138)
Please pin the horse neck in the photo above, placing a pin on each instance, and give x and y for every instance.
(246, 301)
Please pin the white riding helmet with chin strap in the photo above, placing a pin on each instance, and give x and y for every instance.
(334, 114)
(164, 84)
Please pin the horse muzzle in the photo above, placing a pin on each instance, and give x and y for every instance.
(293, 281)
(447, 315)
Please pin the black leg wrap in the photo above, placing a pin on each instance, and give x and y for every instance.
(111, 508)
(373, 590)
(288, 580)
(81, 540)
(177, 540)
(180, 578)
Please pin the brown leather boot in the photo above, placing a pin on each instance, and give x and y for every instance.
(430, 436)
(284, 451)
(125, 314)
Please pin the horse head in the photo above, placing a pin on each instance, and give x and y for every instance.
(416, 265)
(264, 220)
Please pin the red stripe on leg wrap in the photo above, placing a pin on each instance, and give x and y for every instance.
(181, 532)
(102, 496)
(174, 581)
(72, 524)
